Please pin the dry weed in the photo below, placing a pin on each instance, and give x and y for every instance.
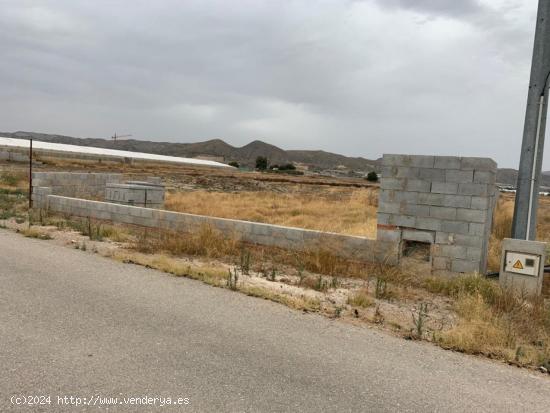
(348, 211)
(360, 298)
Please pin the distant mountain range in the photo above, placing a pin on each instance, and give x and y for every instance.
(245, 155)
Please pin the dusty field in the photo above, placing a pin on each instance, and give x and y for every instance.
(343, 210)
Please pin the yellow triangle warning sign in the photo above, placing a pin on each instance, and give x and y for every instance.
(518, 265)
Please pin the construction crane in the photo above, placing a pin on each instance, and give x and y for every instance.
(116, 137)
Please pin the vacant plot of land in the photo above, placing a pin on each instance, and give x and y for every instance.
(343, 210)
(468, 313)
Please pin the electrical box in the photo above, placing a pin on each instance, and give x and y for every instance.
(522, 265)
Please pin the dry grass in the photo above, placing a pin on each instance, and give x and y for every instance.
(36, 233)
(206, 242)
(495, 321)
(347, 211)
(502, 226)
(298, 303)
(477, 332)
(209, 242)
(215, 276)
(210, 275)
(14, 179)
(361, 299)
(13, 194)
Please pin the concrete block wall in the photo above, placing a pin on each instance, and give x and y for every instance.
(351, 247)
(445, 201)
(40, 196)
(81, 185)
(136, 193)
(13, 155)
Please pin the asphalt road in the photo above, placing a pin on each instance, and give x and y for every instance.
(76, 324)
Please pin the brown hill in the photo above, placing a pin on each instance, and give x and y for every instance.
(245, 155)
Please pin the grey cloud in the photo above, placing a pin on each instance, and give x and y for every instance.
(352, 77)
(444, 7)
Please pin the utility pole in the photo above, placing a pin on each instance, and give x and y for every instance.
(30, 174)
(530, 166)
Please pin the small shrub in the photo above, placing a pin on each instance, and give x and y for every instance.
(321, 284)
(381, 290)
(372, 177)
(261, 163)
(300, 271)
(36, 233)
(315, 283)
(9, 179)
(419, 320)
(232, 279)
(360, 298)
(271, 276)
(245, 262)
(287, 167)
(234, 164)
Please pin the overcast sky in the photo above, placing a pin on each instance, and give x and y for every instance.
(360, 78)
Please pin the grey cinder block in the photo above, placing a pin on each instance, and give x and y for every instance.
(408, 197)
(421, 161)
(442, 212)
(404, 221)
(473, 189)
(392, 183)
(464, 266)
(432, 224)
(384, 219)
(447, 162)
(416, 210)
(485, 177)
(480, 202)
(456, 227)
(479, 164)
(406, 172)
(430, 199)
(471, 215)
(395, 160)
(441, 263)
(458, 176)
(474, 254)
(432, 174)
(417, 185)
(476, 229)
(457, 201)
(444, 238)
(452, 251)
(444, 187)
(420, 236)
(468, 240)
(386, 195)
(389, 208)
(388, 171)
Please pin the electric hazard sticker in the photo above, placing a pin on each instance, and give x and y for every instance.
(518, 265)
